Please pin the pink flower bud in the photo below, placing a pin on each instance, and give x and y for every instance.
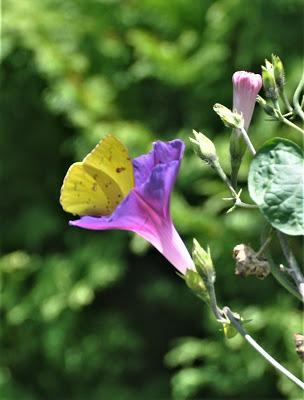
(246, 86)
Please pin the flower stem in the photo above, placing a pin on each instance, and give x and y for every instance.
(282, 278)
(248, 141)
(213, 302)
(294, 270)
(260, 349)
(296, 97)
(286, 101)
(225, 179)
(264, 246)
(276, 271)
(291, 124)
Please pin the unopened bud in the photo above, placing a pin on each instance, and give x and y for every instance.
(249, 263)
(268, 65)
(237, 148)
(278, 70)
(203, 263)
(204, 147)
(269, 83)
(246, 86)
(195, 282)
(229, 118)
(266, 107)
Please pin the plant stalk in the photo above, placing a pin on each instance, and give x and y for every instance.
(238, 202)
(291, 124)
(260, 349)
(294, 269)
(296, 97)
(248, 141)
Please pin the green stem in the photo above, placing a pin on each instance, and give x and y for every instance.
(296, 98)
(294, 270)
(281, 277)
(286, 101)
(291, 124)
(277, 273)
(248, 141)
(213, 301)
(260, 349)
(264, 247)
(238, 202)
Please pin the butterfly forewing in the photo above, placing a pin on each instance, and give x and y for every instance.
(111, 157)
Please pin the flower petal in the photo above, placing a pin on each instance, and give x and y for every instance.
(134, 214)
(162, 153)
(246, 86)
(157, 190)
(155, 174)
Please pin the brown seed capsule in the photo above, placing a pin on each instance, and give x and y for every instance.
(249, 263)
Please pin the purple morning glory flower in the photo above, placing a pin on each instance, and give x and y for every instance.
(146, 209)
(246, 86)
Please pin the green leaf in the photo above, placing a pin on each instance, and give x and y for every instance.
(276, 184)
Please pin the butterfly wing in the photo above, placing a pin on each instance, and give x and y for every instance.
(111, 157)
(80, 194)
(97, 185)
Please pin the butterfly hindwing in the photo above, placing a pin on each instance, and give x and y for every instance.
(80, 195)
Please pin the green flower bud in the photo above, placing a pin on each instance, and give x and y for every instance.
(229, 118)
(203, 263)
(269, 83)
(266, 107)
(278, 71)
(268, 65)
(196, 284)
(204, 147)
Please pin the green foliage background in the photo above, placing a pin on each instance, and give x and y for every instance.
(100, 315)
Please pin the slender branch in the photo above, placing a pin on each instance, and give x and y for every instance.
(289, 114)
(291, 124)
(286, 102)
(260, 349)
(264, 246)
(236, 196)
(240, 203)
(213, 302)
(282, 278)
(296, 98)
(248, 141)
(294, 269)
(276, 271)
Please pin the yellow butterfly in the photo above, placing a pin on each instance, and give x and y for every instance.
(97, 184)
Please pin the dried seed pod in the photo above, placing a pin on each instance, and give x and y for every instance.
(248, 262)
